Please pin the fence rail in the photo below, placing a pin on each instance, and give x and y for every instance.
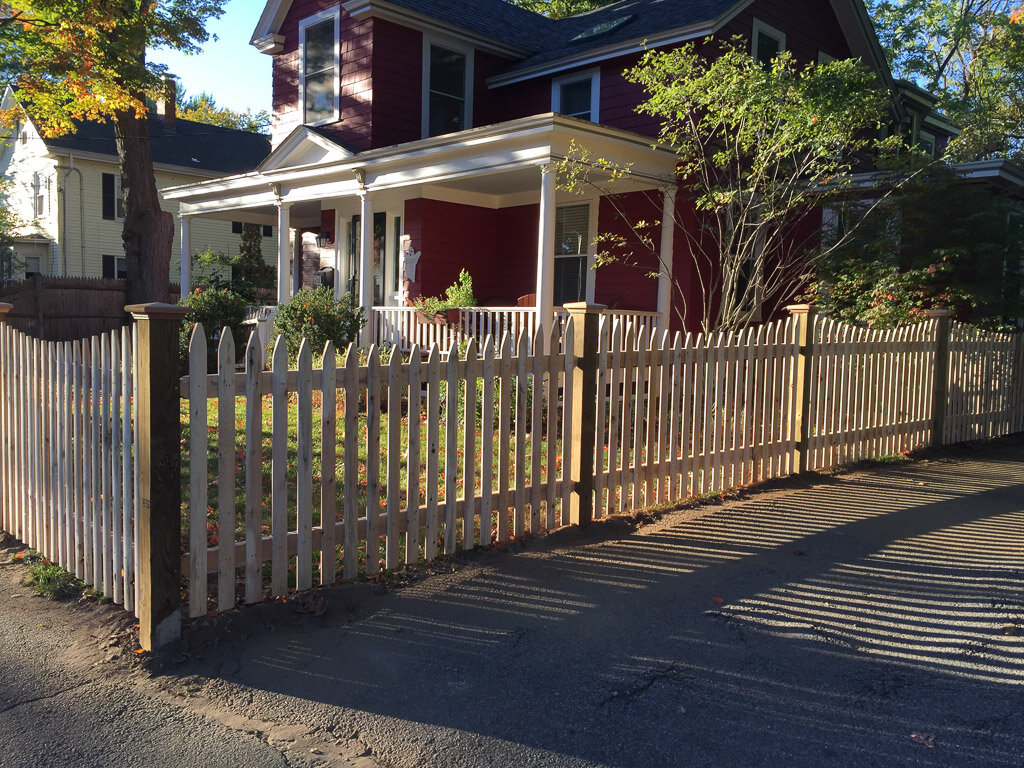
(67, 487)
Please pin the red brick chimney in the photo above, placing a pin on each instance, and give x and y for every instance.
(166, 105)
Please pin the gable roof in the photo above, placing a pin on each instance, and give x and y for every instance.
(191, 145)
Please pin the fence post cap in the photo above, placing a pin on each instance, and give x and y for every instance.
(157, 310)
(930, 313)
(801, 309)
(584, 307)
(5, 308)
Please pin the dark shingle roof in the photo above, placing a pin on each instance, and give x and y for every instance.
(191, 145)
(496, 19)
(647, 18)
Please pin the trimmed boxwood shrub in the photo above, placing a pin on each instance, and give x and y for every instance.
(313, 314)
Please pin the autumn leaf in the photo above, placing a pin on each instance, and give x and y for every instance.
(718, 600)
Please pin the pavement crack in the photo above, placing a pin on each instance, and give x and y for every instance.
(665, 673)
(53, 695)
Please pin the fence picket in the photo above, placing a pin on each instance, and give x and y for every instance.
(253, 469)
(328, 466)
(373, 385)
(433, 439)
(538, 367)
(469, 453)
(198, 472)
(412, 508)
(279, 469)
(392, 557)
(487, 442)
(505, 405)
(451, 452)
(351, 488)
(226, 515)
(522, 390)
(304, 469)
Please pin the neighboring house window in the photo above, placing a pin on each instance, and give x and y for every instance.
(577, 95)
(767, 43)
(268, 230)
(447, 78)
(40, 187)
(32, 266)
(926, 143)
(236, 227)
(113, 200)
(572, 238)
(319, 68)
(115, 268)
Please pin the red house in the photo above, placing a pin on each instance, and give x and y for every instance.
(412, 139)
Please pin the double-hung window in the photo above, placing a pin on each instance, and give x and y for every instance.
(113, 200)
(319, 68)
(40, 190)
(448, 96)
(572, 239)
(766, 43)
(577, 95)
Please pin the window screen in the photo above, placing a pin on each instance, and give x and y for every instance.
(572, 237)
(574, 99)
(318, 71)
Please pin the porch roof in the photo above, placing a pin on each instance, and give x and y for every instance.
(307, 166)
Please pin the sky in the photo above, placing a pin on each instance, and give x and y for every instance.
(231, 70)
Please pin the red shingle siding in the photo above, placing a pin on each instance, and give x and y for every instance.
(625, 284)
(516, 266)
(397, 79)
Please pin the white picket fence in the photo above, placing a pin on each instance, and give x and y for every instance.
(68, 476)
(986, 384)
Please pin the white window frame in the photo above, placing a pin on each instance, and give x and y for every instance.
(929, 137)
(451, 45)
(39, 266)
(118, 199)
(304, 24)
(593, 216)
(40, 195)
(595, 91)
(760, 28)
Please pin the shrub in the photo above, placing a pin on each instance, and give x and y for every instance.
(52, 581)
(313, 314)
(458, 294)
(215, 308)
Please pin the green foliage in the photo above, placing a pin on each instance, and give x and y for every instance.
(972, 56)
(8, 223)
(940, 243)
(254, 277)
(759, 148)
(203, 109)
(458, 294)
(51, 581)
(215, 308)
(313, 314)
(558, 9)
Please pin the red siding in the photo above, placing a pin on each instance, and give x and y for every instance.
(516, 265)
(397, 84)
(625, 284)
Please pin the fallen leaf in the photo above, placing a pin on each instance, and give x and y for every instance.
(924, 739)
(139, 651)
(717, 600)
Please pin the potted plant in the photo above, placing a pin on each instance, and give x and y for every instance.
(446, 309)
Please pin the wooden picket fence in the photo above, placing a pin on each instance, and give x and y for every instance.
(68, 473)
(986, 385)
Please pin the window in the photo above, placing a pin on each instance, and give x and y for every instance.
(448, 96)
(113, 200)
(115, 268)
(40, 188)
(767, 42)
(32, 267)
(319, 68)
(577, 95)
(572, 238)
(926, 143)
(268, 230)
(236, 227)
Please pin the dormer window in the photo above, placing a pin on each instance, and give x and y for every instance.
(319, 68)
(448, 73)
(766, 43)
(577, 95)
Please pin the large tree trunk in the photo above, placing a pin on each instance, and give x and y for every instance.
(148, 230)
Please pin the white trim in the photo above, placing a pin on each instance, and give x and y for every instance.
(594, 75)
(449, 44)
(304, 24)
(759, 28)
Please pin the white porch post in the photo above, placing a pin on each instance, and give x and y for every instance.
(366, 264)
(186, 255)
(668, 228)
(340, 279)
(283, 251)
(546, 253)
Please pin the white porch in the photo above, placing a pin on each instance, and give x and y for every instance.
(311, 186)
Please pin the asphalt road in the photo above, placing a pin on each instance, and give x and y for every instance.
(873, 618)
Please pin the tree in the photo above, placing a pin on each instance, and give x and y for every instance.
(937, 243)
(558, 9)
(86, 60)
(203, 109)
(971, 54)
(8, 224)
(760, 149)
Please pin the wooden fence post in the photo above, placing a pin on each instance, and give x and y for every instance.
(803, 316)
(940, 380)
(585, 319)
(159, 515)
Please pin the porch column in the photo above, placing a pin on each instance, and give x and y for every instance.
(283, 251)
(668, 229)
(366, 265)
(546, 253)
(340, 280)
(186, 255)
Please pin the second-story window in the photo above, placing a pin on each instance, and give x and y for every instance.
(318, 40)
(576, 95)
(767, 43)
(447, 97)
